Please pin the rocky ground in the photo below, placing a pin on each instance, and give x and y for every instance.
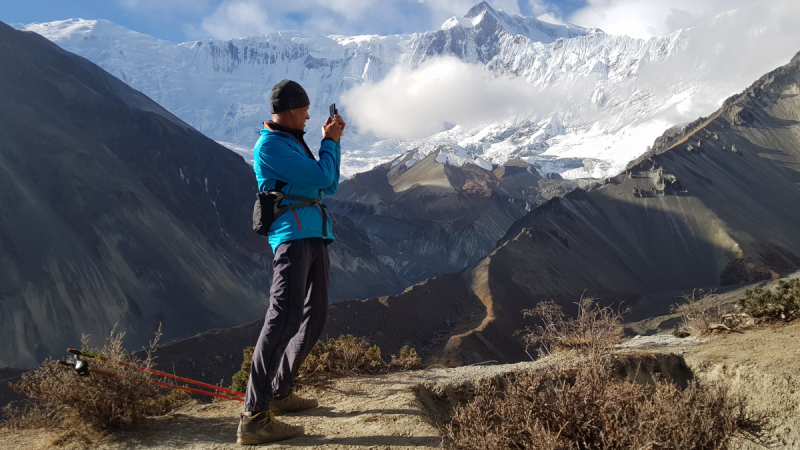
(402, 410)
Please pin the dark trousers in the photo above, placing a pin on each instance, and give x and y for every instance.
(298, 310)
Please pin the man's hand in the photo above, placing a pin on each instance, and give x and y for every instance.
(333, 128)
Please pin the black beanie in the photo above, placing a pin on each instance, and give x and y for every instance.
(288, 95)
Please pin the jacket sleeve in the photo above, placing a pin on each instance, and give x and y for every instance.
(337, 152)
(281, 162)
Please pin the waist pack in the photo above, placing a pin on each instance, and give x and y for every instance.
(267, 209)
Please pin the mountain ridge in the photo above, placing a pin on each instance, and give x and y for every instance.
(614, 114)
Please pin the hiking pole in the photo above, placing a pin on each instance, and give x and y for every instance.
(163, 374)
(84, 370)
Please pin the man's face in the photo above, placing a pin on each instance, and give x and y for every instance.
(299, 117)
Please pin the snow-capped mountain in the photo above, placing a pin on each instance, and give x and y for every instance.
(598, 100)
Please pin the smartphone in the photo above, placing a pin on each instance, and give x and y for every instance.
(333, 110)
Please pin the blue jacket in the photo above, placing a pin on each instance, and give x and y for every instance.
(280, 156)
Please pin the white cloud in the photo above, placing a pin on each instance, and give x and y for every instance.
(648, 18)
(144, 6)
(416, 103)
(237, 19)
(545, 11)
(732, 51)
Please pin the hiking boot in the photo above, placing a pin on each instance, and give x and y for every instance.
(264, 427)
(292, 403)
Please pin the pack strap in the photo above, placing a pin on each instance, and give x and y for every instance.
(304, 202)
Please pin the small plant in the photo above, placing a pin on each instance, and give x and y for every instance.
(241, 377)
(345, 356)
(407, 360)
(680, 332)
(80, 406)
(702, 314)
(781, 303)
(594, 330)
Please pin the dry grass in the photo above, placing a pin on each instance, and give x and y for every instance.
(589, 409)
(345, 356)
(702, 314)
(84, 406)
(593, 331)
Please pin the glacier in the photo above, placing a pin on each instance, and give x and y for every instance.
(603, 98)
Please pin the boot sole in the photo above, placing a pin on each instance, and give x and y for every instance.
(279, 412)
(242, 441)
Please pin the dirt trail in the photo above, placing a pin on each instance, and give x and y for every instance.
(373, 412)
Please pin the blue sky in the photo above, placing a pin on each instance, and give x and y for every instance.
(184, 20)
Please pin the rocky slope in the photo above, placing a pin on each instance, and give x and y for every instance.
(601, 99)
(112, 210)
(434, 214)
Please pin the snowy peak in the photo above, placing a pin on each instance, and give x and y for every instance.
(479, 10)
(484, 17)
(84, 30)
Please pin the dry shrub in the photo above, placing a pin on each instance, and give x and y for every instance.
(702, 314)
(345, 356)
(408, 359)
(29, 415)
(587, 408)
(781, 303)
(81, 406)
(594, 330)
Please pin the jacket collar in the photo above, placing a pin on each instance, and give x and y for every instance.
(296, 134)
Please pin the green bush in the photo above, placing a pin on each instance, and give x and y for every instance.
(345, 356)
(241, 377)
(680, 332)
(783, 302)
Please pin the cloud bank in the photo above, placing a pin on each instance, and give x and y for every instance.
(414, 103)
(649, 18)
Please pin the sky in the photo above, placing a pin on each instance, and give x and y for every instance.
(186, 20)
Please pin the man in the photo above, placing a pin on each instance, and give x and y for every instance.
(299, 296)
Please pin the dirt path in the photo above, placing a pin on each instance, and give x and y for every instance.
(374, 412)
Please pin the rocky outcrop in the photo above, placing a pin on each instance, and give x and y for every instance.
(427, 217)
